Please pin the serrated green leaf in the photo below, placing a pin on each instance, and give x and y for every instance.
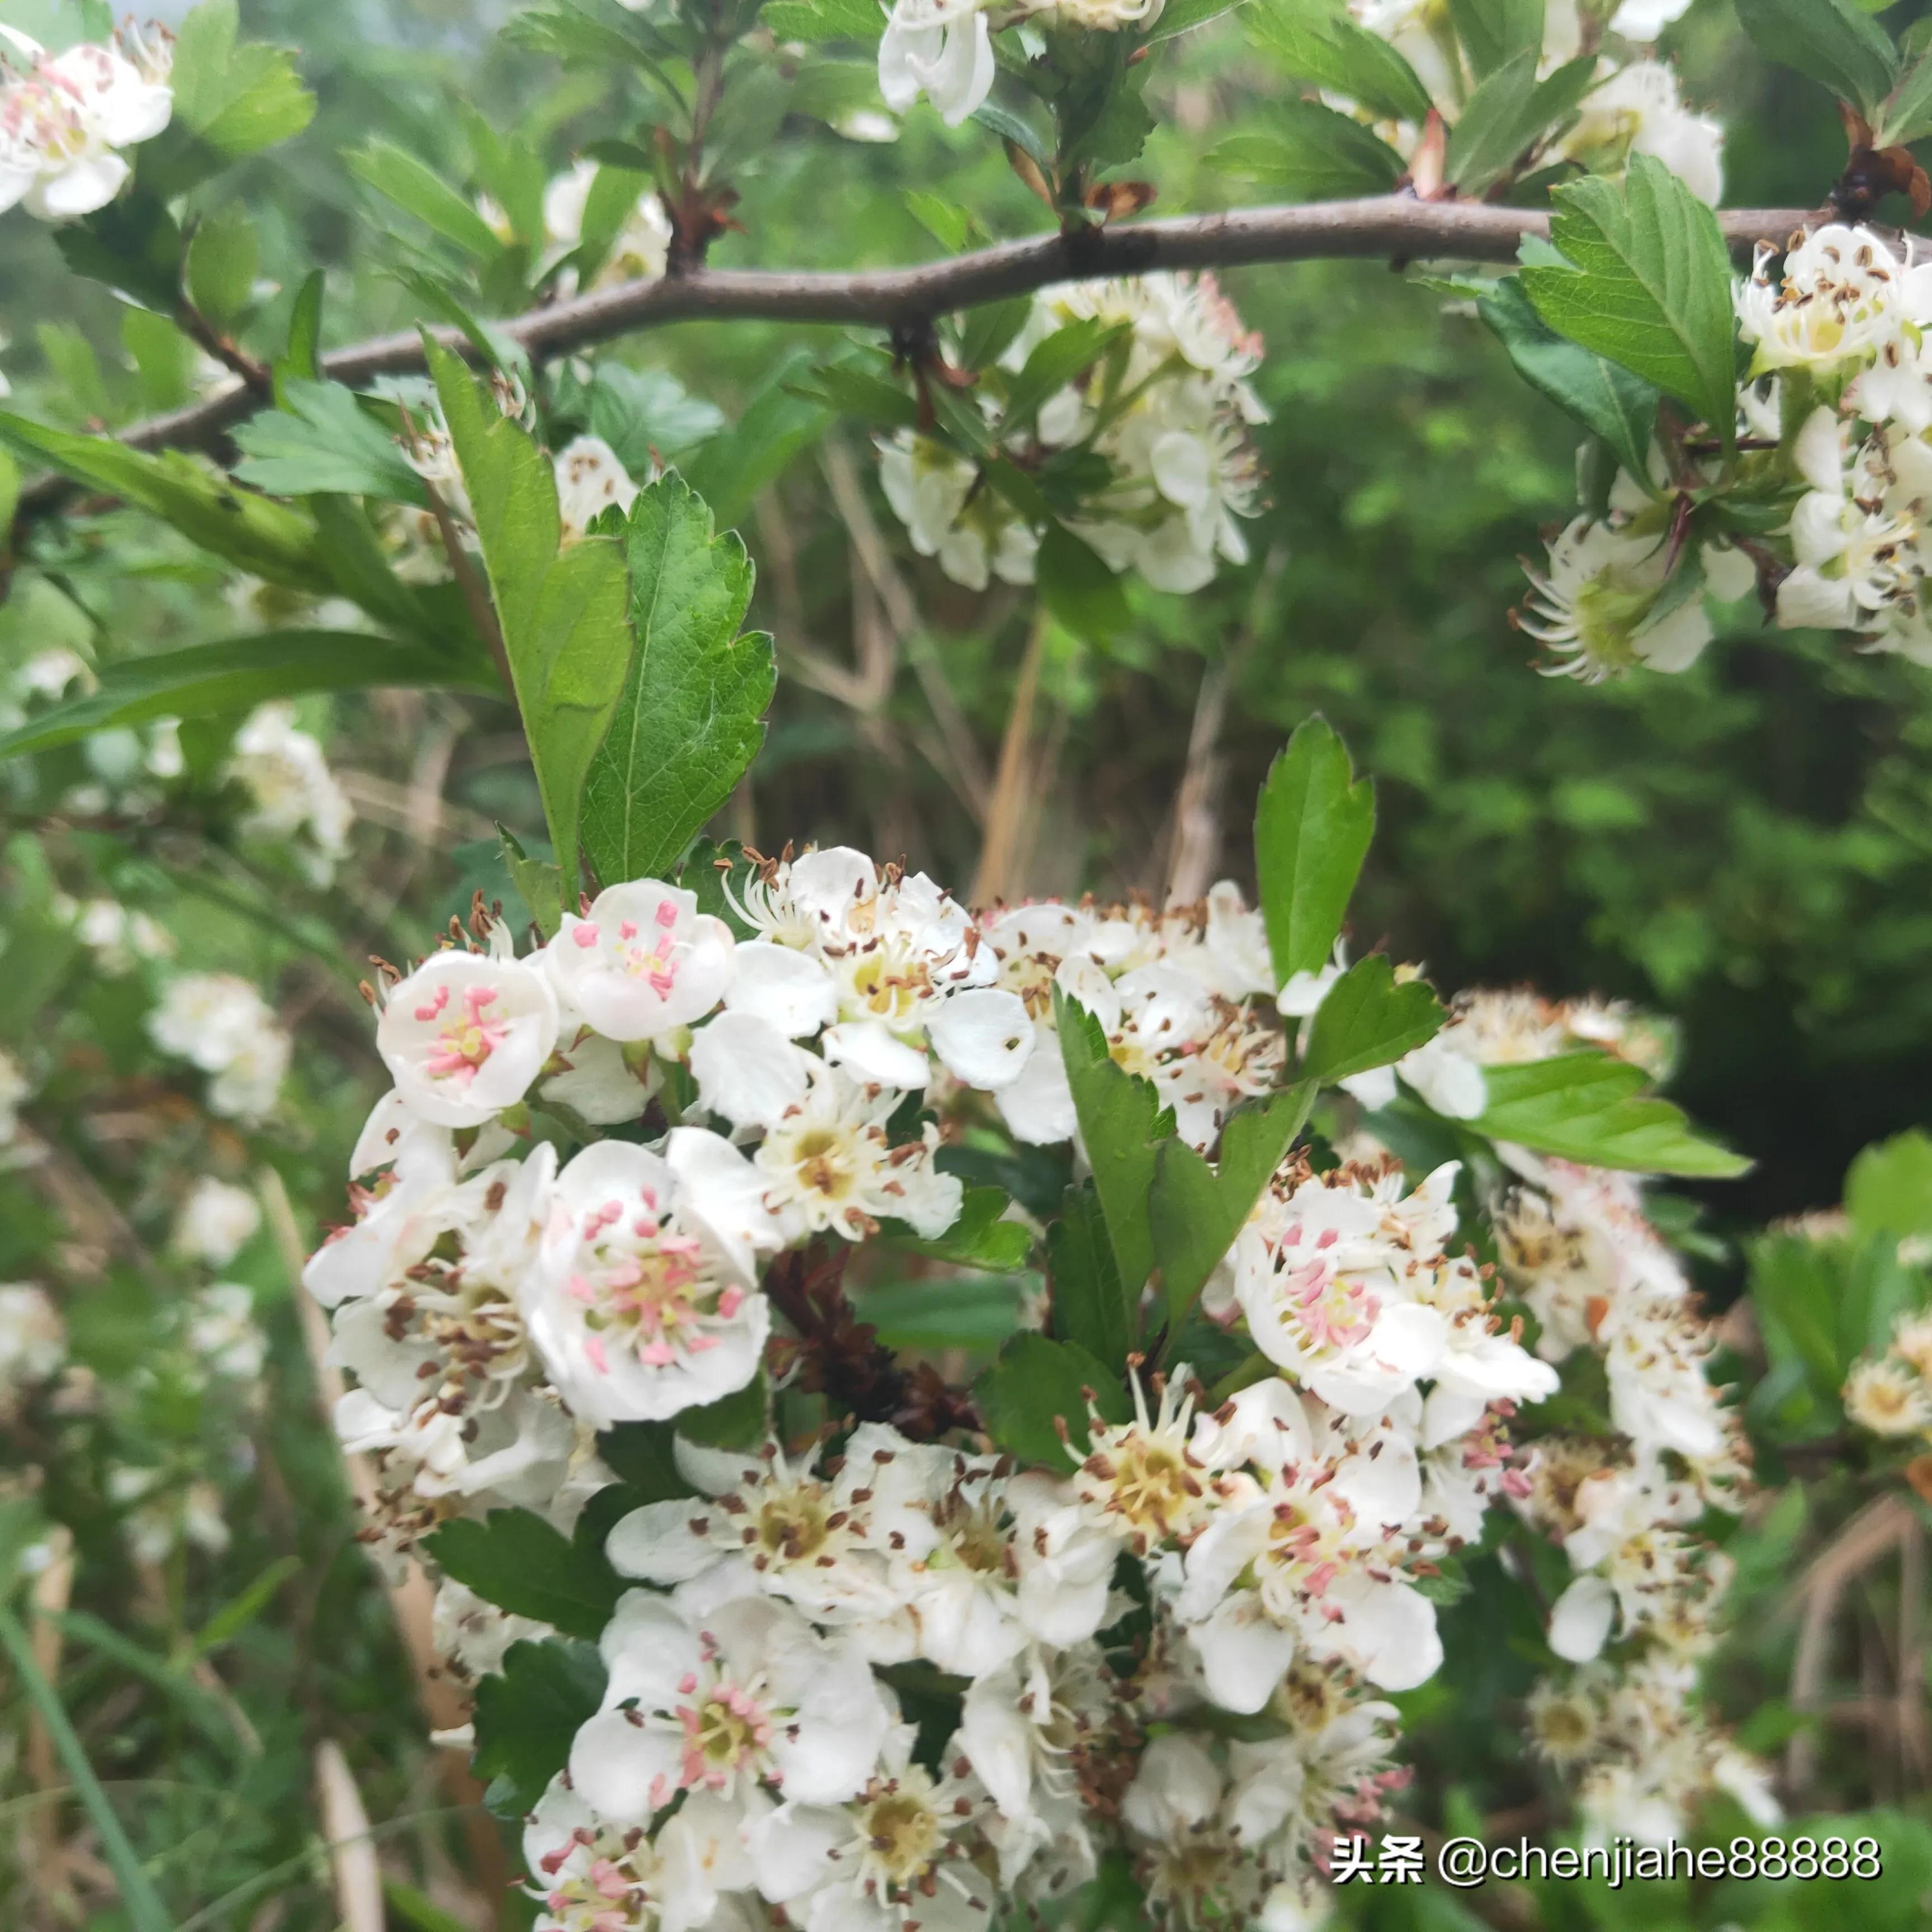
(690, 717)
(1600, 394)
(735, 1421)
(1010, 126)
(514, 1559)
(982, 1236)
(1495, 32)
(1592, 1108)
(1827, 41)
(1195, 1211)
(232, 98)
(975, 1313)
(1309, 152)
(1037, 1383)
(418, 189)
(539, 883)
(1091, 1307)
(565, 617)
(949, 224)
(1321, 45)
(528, 1715)
(987, 333)
(1313, 823)
(854, 392)
(1508, 114)
(1057, 359)
(1650, 286)
(817, 20)
(322, 441)
(1183, 17)
(1888, 1187)
(237, 674)
(1120, 1119)
(1367, 1020)
(1076, 586)
(642, 1455)
(648, 415)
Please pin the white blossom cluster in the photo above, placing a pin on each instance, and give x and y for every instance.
(1835, 418)
(295, 799)
(65, 117)
(219, 1023)
(944, 49)
(638, 251)
(1633, 106)
(1577, 1248)
(1890, 1394)
(1171, 417)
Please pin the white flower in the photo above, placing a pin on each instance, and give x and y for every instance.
(294, 793)
(939, 48)
(642, 961)
(640, 249)
(1596, 606)
(225, 1027)
(1637, 111)
(636, 1312)
(1842, 295)
(215, 1221)
(744, 1694)
(118, 937)
(471, 1633)
(950, 514)
(1886, 1397)
(222, 1333)
(33, 1339)
(62, 120)
(589, 481)
(465, 1034)
(1855, 557)
(1644, 19)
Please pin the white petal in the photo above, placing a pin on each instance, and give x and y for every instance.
(789, 988)
(1579, 1624)
(747, 1071)
(874, 1056)
(983, 1036)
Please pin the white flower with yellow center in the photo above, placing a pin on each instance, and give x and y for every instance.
(1598, 606)
(642, 961)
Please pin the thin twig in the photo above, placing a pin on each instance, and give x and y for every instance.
(351, 1853)
(1395, 227)
(1006, 811)
(475, 592)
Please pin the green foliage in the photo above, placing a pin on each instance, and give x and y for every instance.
(1508, 113)
(1092, 1307)
(1889, 1187)
(826, 20)
(1320, 44)
(1310, 153)
(210, 680)
(689, 720)
(322, 440)
(1077, 587)
(1367, 1020)
(1120, 1118)
(401, 179)
(1906, 114)
(1829, 41)
(232, 99)
(1590, 1108)
(1038, 1385)
(1195, 1211)
(222, 259)
(1648, 285)
(1313, 824)
(1495, 32)
(527, 1716)
(518, 1561)
(982, 1236)
(564, 616)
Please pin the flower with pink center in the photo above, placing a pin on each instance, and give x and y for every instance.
(637, 1309)
(642, 961)
(465, 1034)
(62, 119)
(745, 1700)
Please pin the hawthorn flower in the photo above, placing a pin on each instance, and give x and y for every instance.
(1857, 553)
(64, 118)
(1888, 1398)
(1841, 295)
(942, 49)
(640, 249)
(471, 1635)
(33, 1340)
(643, 961)
(215, 1221)
(589, 481)
(294, 795)
(1597, 606)
(1637, 111)
(223, 1026)
(951, 514)
(465, 1034)
(637, 1312)
(745, 1695)
(1195, 1868)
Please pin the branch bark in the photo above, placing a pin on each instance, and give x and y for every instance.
(1397, 227)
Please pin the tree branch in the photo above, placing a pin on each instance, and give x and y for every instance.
(1397, 227)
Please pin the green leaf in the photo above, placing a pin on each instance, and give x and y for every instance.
(1495, 32)
(1322, 45)
(949, 224)
(1650, 288)
(528, 1716)
(977, 1313)
(981, 1237)
(648, 414)
(1076, 586)
(566, 626)
(302, 359)
(399, 177)
(817, 20)
(1195, 1211)
(642, 1455)
(1828, 41)
(1889, 1186)
(690, 717)
(854, 392)
(1183, 17)
(322, 441)
(222, 259)
(518, 1561)
(1010, 126)
(1120, 1118)
(1367, 1020)
(10, 489)
(1907, 115)
(735, 1421)
(1508, 114)
(987, 333)
(238, 673)
(1037, 1382)
(1591, 1108)
(776, 425)
(1091, 1307)
(273, 541)
(1309, 152)
(1057, 359)
(538, 883)
(232, 100)
(1313, 822)
(1601, 395)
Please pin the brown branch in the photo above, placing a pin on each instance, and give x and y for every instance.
(1397, 228)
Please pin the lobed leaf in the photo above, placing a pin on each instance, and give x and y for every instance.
(515, 1560)
(1037, 1384)
(321, 440)
(1368, 1020)
(528, 1715)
